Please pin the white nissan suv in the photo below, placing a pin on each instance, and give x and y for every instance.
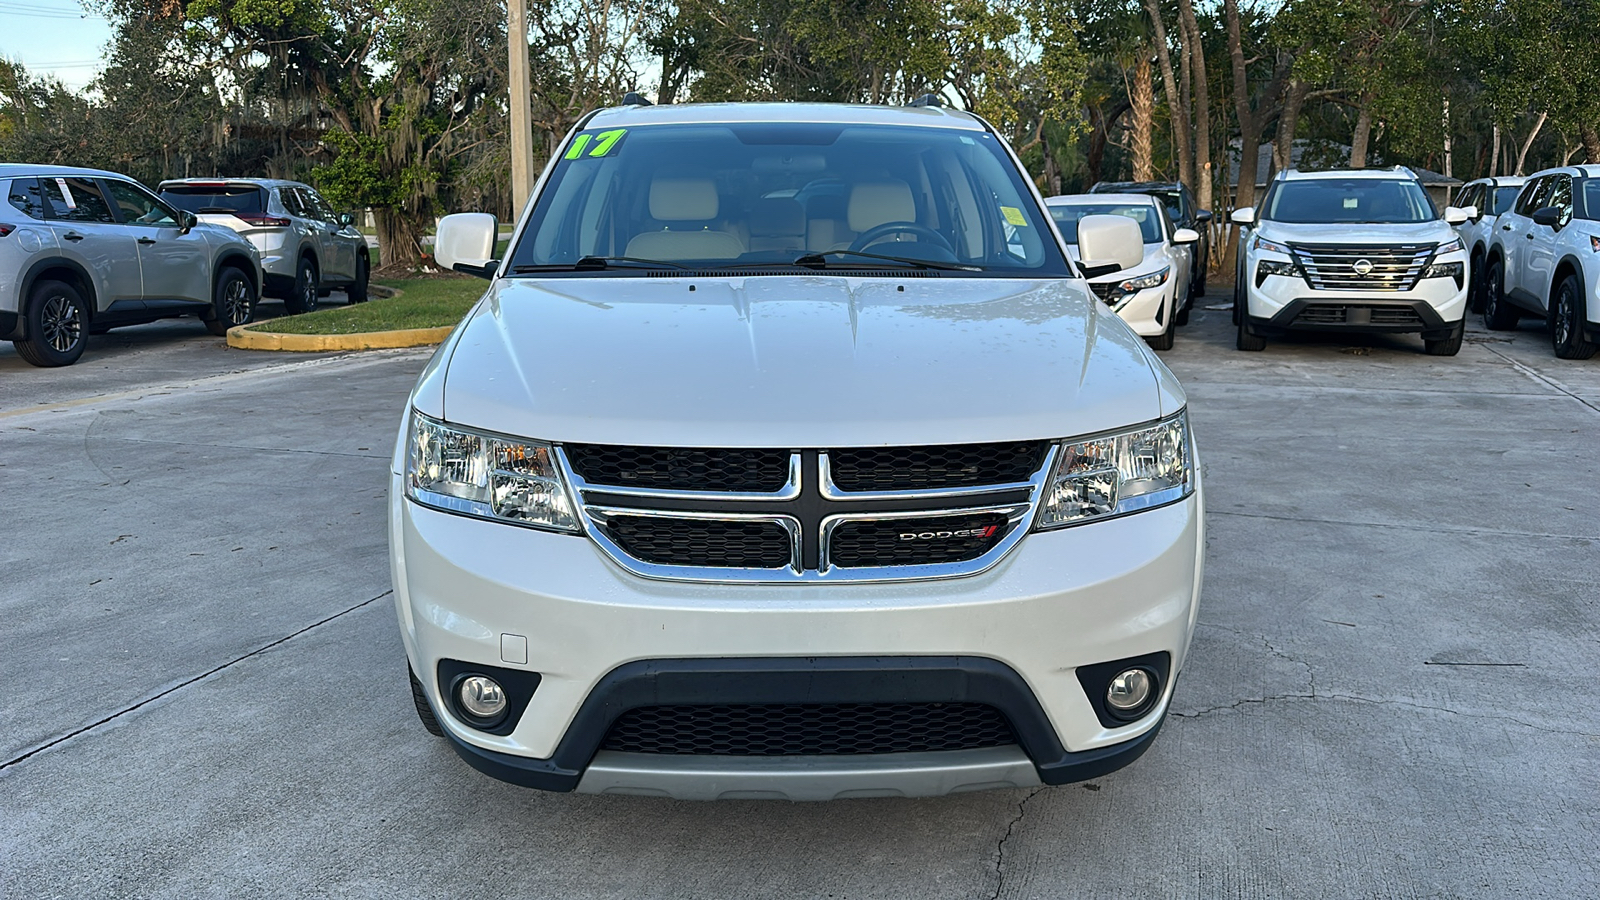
(786, 456)
(1544, 260)
(1351, 251)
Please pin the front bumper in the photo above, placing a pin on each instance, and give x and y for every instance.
(1281, 303)
(1060, 601)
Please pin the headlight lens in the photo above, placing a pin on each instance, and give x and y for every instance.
(1144, 282)
(486, 475)
(1119, 473)
(1453, 245)
(1271, 246)
(1273, 267)
(1446, 270)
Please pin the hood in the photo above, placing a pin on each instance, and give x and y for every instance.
(795, 361)
(1436, 231)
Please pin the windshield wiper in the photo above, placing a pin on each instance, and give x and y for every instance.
(596, 263)
(820, 259)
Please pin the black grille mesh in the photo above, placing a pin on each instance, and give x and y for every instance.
(809, 729)
(947, 466)
(681, 468)
(911, 542)
(702, 542)
(1103, 289)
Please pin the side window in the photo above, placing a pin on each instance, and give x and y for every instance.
(1532, 196)
(75, 199)
(319, 207)
(290, 197)
(1561, 195)
(1469, 197)
(26, 196)
(138, 206)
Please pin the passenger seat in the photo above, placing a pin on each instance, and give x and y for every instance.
(688, 207)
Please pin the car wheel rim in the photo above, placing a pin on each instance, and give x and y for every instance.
(61, 323)
(308, 296)
(1564, 318)
(236, 302)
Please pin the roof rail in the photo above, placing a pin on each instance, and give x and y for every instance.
(927, 100)
(634, 98)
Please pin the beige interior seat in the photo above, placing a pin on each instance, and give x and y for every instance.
(688, 208)
(874, 203)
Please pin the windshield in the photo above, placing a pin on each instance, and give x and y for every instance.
(1067, 218)
(1504, 198)
(197, 198)
(725, 195)
(1337, 201)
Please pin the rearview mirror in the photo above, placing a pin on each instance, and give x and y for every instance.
(1109, 243)
(1245, 215)
(465, 243)
(1185, 236)
(1455, 215)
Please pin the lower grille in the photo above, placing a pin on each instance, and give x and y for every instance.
(702, 542)
(935, 467)
(1322, 315)
(1356, 314)
(809, 729)
(912, 542)
(1395, 315)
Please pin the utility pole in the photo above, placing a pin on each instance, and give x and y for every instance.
(521, 105)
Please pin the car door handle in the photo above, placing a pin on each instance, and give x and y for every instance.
(1529, 235)
(72, 236)
(147, 240)
(1506, 227)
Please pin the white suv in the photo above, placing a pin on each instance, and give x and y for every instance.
(1351, 251)
(786, 456)
(1490, 198)
(1542, 260)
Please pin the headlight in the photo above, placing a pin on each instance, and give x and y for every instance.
(1145, 282)
(1119, 473)
(1445, 270)
(1271, 246)
(1453, 245)
(1273, 267)
(486, 475)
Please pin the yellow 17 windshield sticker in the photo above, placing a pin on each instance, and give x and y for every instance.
(1014, 216)
(602, 144)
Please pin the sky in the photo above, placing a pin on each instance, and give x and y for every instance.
(54, 37)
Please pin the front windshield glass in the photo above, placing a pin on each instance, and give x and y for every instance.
(1067, 218)
(1339, 201)
(760, 194)
(1504, 199)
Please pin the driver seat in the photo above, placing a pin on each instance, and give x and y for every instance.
(874, 203)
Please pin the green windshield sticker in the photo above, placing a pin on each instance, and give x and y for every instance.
(605, 140)
(578, 143)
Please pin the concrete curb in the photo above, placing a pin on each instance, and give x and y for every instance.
(244, 337)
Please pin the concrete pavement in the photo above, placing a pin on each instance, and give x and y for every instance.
(1389, 693)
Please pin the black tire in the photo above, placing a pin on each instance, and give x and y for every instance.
(1449, 346)
(1182, 318)
(304, 296)
(1475, 285)
(1568, 315)
(357, 291)
(1163, 341)
(56, 321)
(1498, 315)
(233, 302)
(1247, 341)
(424, 712)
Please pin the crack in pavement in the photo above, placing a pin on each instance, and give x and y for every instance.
(1000, 848)
(185, 683)
(1375, 701)
(1408, 526)
(1542, 378)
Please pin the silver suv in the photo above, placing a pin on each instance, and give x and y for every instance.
(83, 251)
(1541, 260)
(307, 249)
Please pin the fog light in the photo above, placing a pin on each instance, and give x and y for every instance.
(481, 696)
(1129, 691)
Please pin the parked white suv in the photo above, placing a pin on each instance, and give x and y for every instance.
(1149, 295)
(1351, 251)
(1542, 260)
(1491, 198)
(83, 251)
(786, 457)
(306, 248)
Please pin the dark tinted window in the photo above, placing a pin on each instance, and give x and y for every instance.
(75, 199)
(199, 198)
(1532, 196)
(318, 207)
(1067, 217)
(138, 206)
(1504, 197)
(1591, 199)
(1560, 194)
(1384, 201)
(1470, 195)
(26, 196)
(290, 198)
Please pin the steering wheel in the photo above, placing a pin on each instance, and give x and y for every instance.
(872, 234)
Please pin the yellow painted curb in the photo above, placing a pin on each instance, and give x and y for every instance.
(242, 338)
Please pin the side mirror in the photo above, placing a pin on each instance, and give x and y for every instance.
(1203, 216)
(1185, 236)
(465, 243)
(346, 220)
(1243, 216)
(188, 220)
(1549, 216)
(1456, 215)
(1109, 243)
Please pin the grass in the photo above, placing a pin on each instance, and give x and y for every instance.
(423, 303)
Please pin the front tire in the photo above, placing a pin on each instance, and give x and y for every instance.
(1568, 316)
(56, 321)
(1449, 346)
(1498, 315)
(357, 291)
(304, 297)
(1247, 341)
(233, 302)
(419, 699)
(1475, 287)
(1163, 341)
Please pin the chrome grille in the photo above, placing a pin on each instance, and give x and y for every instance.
(1343, 267)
